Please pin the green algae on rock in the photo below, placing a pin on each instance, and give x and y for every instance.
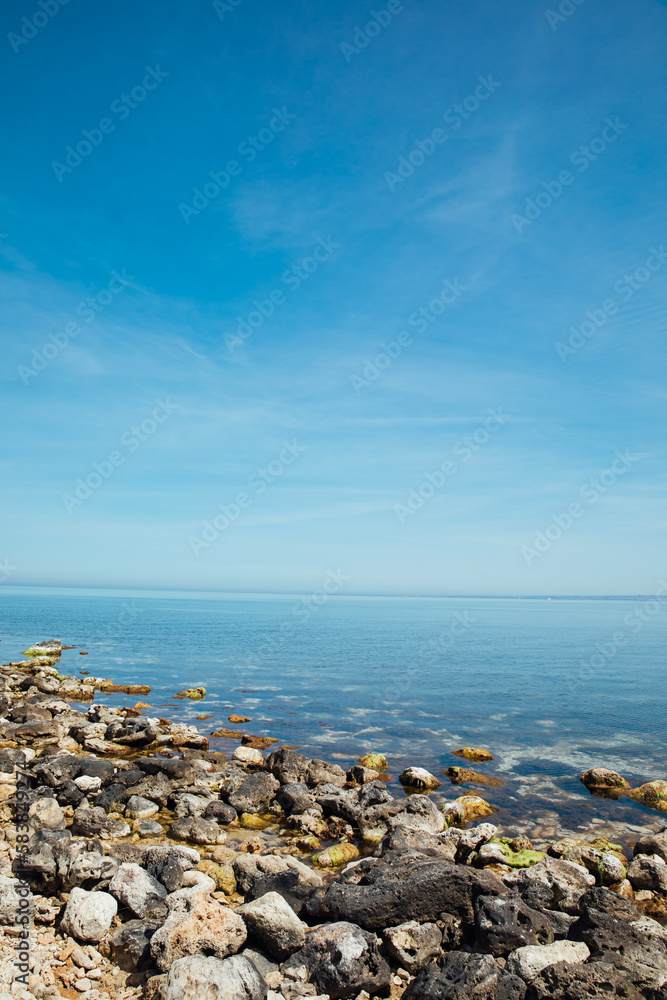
(376, 761)
(653, 794)
(194, 694)
(336, 855)
(500, 850)
(465, 809)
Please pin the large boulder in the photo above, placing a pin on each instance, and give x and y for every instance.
(341, 960)
(197, 924)
(413, 887)
(88, 915)
(198, 978)
(505, 923)
(273, 925)
(459, 975)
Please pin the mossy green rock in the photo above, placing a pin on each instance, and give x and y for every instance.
(653, 794)
(194, 694)
(516, 859)
(249, 821)
(336, 855)
(376, 761)
(222, 875)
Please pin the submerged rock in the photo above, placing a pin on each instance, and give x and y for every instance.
(194, 694)
(653, 794)
(603, 782)
(473, 754)
(464, 776)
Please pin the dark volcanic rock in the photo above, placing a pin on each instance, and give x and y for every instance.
(131, 944)
(295, 797)
(220, 812)
(287, 765)
(639, 949)
(288, 884)
(254, 795)
(505, 923)
(173, 767)
(462, 976)
(95, 823)
(342, 959)
(582, 982)
(412, 888)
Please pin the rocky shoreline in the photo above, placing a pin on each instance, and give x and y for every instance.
(136, 863)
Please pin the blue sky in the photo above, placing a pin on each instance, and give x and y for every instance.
(497, 165)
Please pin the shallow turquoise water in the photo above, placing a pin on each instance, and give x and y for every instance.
(551, 687)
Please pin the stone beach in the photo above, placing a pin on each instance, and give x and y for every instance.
(136, 862)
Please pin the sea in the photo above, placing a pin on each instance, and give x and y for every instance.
(550, 687)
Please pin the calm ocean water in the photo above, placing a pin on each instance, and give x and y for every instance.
(550, 687)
